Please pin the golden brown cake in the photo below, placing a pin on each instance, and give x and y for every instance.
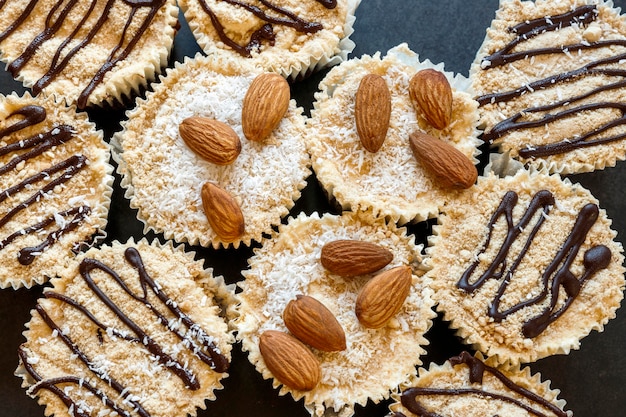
(526, 266)
(549, 80)
(165, 177)
(89, 53)
(293, 38)
(55, 187)
(375, 357)
(133, 328)
(469, 386)
(390, 181)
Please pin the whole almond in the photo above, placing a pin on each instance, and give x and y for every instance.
(450, 167)
(314, 324)
(382, 297)
(264, 105)
(210, 139)
(291, 362)
(222, 212)
(372, 111)
(349, 258)
(430, 93)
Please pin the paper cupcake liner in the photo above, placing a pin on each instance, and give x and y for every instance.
(390, 182)
(376, 360)
(610, 25)
(320, 50)
(467, 313)
(448, 377)
(77, 191)
(117, 85)
(215, 293)
(164, 177)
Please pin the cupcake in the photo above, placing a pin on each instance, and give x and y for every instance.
(468, 386)
(167, 155)
(55, 187)
(549, 83)
(309, 280)
(89, 53)
(292, 38)
(133, 328)
(525, 266)
(387, 178)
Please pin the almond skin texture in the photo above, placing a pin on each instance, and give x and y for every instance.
(314, 324)
(349, 258)
(222, 212)
(210, 139)
(383, 296)
(449, 166)
(264, 105)
(431, 94)
(372, 111)
(291, 362)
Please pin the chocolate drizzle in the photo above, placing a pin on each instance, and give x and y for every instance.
(194, 338)
(33, 147)
(526, 30)
(273, 15)
(532, 403)
(556, 276)
(56, 19)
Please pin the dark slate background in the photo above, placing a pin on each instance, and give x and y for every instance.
(592, 380)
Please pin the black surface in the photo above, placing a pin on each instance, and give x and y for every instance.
(592, 379)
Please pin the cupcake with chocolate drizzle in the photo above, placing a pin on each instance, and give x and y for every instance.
(133, 328)
(291, 37)
(90, 53)
(469, 386)
(55, 187)
(526, 266)
(550, 82)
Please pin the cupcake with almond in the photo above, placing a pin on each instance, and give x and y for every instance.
(289, 37)
(334, 310)
(393, 134)
(214, 155)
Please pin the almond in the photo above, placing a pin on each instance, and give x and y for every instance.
(372, 111)
(349, 258)
(291, 362)
(449, 166)
(430, 93)
(314, 324)
(383, 296)
(264, 105)
(223, 212)
(210, 139)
